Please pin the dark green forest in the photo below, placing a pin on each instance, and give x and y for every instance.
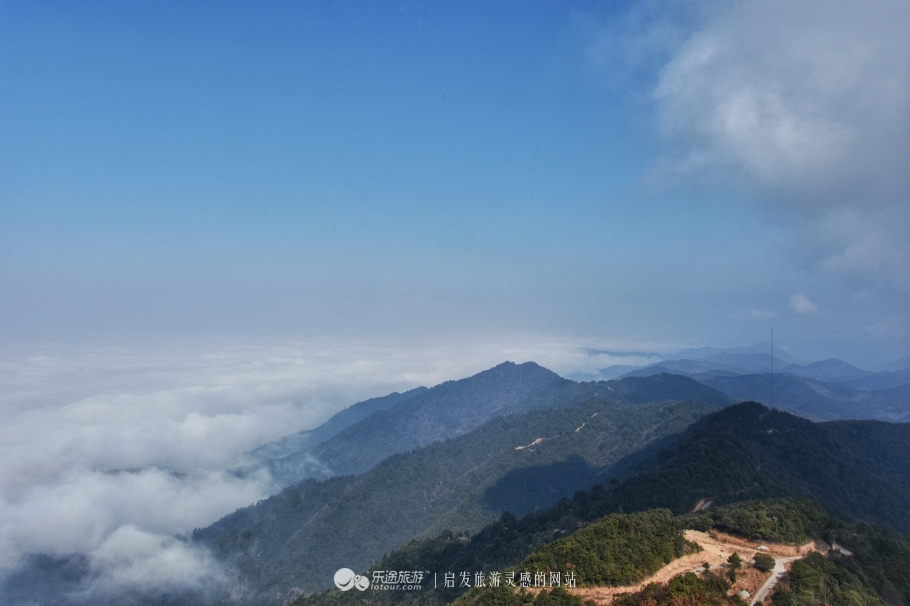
(462, 484)
(707, 589)
(743, 454)
(617, 549)
(620, 549)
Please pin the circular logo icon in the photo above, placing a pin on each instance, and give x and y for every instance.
(346, 578)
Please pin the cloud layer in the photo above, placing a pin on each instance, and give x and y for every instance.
(112, 450)
(808, 104)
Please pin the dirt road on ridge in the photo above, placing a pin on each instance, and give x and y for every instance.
(717, 547)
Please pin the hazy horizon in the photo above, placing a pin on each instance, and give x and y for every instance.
(685, 172)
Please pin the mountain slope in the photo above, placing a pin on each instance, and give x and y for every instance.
(305, 440)
(856, 469)
(299, 537)
(859, 469)
(444, 411)
(457, 407)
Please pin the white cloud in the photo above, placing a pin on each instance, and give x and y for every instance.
(135, 560)
(808, 103)
(805, 97)
(802, 305)
(78, 511)
(111, 450)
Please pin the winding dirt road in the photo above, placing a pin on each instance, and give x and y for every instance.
(776, 574)
(717, 547)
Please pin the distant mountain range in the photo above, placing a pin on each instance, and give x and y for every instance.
(700, 353)
(829, 389)
(815, 399)
(833, 370)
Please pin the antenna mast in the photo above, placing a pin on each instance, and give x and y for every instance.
(771, 403)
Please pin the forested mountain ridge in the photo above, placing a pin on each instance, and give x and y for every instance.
(305, 440)
(415, 419)
(299, 537)
(856, 469)
(860, 469)
(352, 442)
(447, 410)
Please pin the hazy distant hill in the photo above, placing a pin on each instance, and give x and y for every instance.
(818, 399)
(882, 380)
(723, 363)
(830, 389)
(305, 440)
(728, 363)
(402, 422)
(418, 418)
(701, 353)
(838, 371)
(828, 370)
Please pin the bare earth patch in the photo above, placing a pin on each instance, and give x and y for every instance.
(717, 548)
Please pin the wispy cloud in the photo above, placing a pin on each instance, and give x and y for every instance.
(802, 305)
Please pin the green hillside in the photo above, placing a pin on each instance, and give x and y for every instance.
(359, 437)
(624, 548)
(618, 549)
(792, 521)
(857, 467)
(301, 536)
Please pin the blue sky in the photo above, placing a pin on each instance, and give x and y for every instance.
(678, 173)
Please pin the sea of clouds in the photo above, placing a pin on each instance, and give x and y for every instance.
(111, 450)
